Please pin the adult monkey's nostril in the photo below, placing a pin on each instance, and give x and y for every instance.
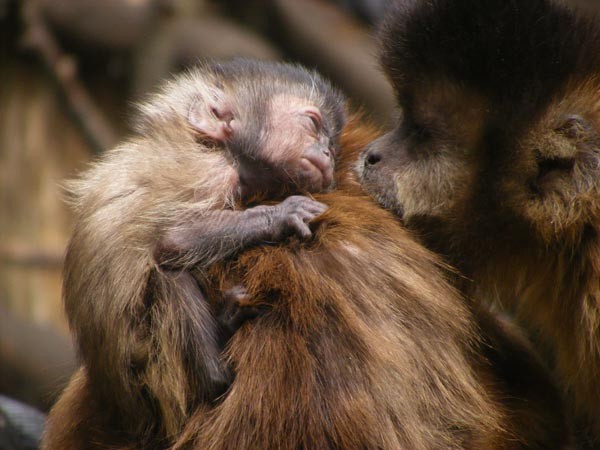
(372, 158)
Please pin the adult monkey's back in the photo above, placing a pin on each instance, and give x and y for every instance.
(362, 346)
(366, 347)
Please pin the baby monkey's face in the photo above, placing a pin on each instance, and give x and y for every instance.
(278, 124)
(291, 147)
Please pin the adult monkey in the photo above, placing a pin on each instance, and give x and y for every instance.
(362, 344)
(496, 162)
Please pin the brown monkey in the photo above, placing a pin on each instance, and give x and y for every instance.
(167, 203)
(363, 343)
(496, 162)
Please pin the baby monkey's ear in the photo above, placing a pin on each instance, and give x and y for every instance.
(212, 118)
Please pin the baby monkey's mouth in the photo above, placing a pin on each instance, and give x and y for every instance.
(316, 172)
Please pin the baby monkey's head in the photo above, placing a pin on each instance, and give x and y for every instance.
(278, 123)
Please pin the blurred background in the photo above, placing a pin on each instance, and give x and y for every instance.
(69, 73)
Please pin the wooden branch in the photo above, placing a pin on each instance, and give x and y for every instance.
(39, 38)
(181, 41)
(31, 257)
(110, 24)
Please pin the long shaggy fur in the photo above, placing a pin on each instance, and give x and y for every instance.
(362, 343)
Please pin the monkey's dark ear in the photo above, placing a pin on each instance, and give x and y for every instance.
(212, 119)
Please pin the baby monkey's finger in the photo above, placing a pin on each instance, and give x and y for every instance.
(300, 228)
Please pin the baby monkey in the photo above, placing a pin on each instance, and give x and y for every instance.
(157, 211)
(277, 127)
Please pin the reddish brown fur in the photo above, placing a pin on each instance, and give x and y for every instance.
(364, 345)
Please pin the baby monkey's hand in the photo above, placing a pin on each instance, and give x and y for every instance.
(292, 216)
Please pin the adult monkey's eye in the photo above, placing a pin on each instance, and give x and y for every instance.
(574, 127)
(421, 133)
(415, 129)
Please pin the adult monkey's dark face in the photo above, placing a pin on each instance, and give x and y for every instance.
(499, 114)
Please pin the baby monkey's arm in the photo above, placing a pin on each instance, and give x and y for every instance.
(211, 237)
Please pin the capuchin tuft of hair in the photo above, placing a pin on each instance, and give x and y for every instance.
(154, 213)
(496, 162)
